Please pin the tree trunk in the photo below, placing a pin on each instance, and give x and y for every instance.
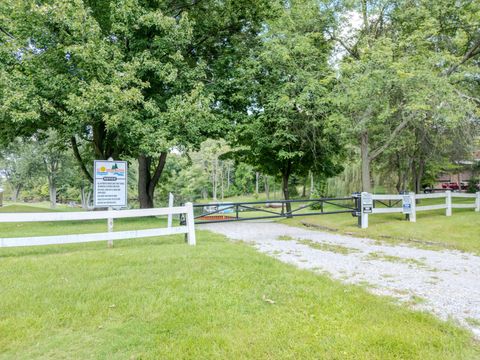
(148, 181)
(257, 177)
(312, 188)
(214, 178)
(52, 188)
(286, 194)
(85, 198)
(304, 189)
(366, 182)
(89, 198)
(267, 187)
(228, 177)
(78, 157)
(222, 193)
(418, 176)
(16, 193)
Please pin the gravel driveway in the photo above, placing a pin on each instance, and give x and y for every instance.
(445, 282)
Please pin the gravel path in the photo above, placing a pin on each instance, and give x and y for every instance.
(446, 282)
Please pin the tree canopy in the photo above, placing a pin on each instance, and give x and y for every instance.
(290, 85)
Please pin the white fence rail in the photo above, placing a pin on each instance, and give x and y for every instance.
(188, 229)
(414, 208)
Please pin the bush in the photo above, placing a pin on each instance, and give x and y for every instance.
(473, 185)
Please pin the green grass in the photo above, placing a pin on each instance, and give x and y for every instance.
(432, 229)
(9, 206)
(339, 249)
(159, 298)
(391, 258)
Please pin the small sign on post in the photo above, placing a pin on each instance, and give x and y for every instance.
(406, 204)
(110, 184)
(367, 203)
(366, 208)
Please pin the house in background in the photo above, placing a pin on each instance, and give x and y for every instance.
(462, 175)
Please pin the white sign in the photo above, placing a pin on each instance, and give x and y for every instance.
(110, 184)
(406, 204)
(367, 203)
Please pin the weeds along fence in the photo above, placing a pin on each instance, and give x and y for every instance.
(188, 228)
(396, 204)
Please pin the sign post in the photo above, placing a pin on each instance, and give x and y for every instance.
(407, 206)
(110, 187)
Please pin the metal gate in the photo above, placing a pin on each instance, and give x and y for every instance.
(258, 210)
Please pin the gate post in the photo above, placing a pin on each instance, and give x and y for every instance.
(448, 203)
(191, 239)
(413, 204)
(477, 208)
(170, 205)
(357, 208)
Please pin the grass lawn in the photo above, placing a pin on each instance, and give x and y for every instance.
(461, 231)
(159, 298)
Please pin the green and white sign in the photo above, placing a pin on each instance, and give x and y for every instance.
(110, 184)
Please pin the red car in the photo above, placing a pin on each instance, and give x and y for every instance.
(450, 186)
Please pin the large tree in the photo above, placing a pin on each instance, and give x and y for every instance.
(287, 129)
(397, 74)
(132, 78)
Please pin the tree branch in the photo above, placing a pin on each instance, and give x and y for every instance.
(349, 49)
(473, 51)
(374, 154)
(465, 96)
(158, 171)
(77, 155)
(6, 33)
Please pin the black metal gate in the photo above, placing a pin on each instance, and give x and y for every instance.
(258, 210)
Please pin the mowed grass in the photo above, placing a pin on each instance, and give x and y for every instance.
(160, 298)
(461, 231)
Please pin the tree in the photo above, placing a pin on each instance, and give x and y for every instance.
(127, 78)
(20, 163)
(287, 128)
(396, 77)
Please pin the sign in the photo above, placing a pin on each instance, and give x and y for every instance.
(367, 203)
(406, 204)
(110, 183)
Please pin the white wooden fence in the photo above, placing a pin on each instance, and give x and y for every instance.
(109, 236)
(448, 205)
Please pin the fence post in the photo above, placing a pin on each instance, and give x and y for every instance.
(477, 208)
(170, 205)
(413, 207)
(190, 225)
(364, 216)
(448, 203)
(110, 229)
